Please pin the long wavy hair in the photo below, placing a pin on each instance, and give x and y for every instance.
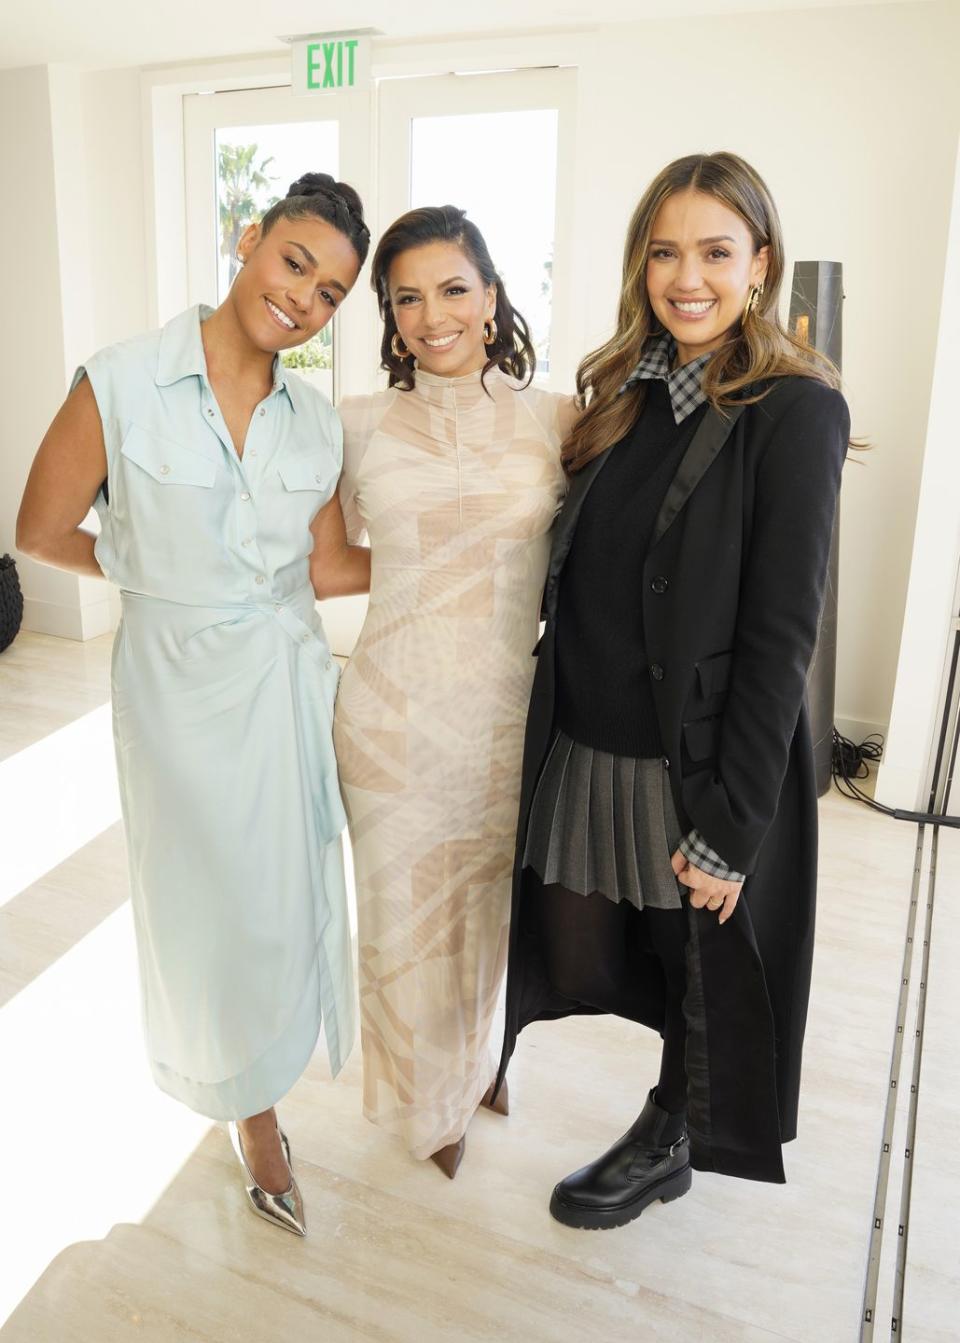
(757, 348)
(512, 351)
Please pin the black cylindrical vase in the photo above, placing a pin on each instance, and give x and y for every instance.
(816, 317)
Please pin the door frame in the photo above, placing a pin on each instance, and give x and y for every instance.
(354, 324)
(400, 101)
(162, 120)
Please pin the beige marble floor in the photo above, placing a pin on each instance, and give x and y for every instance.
(46, 683)
(123, 1216)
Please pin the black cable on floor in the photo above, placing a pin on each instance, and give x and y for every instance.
(850, 762)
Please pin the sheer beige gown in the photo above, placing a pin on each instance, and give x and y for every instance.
(457, 491)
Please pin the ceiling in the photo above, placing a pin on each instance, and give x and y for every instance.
(102, 33)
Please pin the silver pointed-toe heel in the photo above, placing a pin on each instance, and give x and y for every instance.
(284, 1210)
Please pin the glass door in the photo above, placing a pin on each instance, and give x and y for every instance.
(500, 147)
(242, 150)
(255, 167)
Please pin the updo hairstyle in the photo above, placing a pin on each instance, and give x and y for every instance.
(319, 196)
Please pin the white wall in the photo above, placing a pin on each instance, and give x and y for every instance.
(114, 285)
(116, 231)
(852, 117)
(70, 149)
(31, 344)
(851, 114)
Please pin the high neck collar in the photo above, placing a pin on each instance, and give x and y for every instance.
(435, 380)
(467, 390)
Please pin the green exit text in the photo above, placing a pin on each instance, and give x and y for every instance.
(331, 65)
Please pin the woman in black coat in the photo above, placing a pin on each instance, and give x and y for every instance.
(667, 850)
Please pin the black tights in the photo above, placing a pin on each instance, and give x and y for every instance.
(586, 941)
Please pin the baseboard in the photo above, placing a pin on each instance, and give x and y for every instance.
(856, 729)
(898, 786)
(71, 622)
(66, 622)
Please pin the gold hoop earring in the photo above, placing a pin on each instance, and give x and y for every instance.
(490, 332)
(397, 347)
(753, 300)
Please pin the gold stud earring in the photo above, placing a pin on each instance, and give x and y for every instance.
(490, 332)
(397, 347)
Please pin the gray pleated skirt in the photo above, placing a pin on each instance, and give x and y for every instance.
(606, 823)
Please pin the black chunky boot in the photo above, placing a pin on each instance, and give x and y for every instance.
(651, 1161)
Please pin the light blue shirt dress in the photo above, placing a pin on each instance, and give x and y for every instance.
(223, 689)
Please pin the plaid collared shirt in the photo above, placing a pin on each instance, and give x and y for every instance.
(686, 394)
(697, 851)
(683, 383)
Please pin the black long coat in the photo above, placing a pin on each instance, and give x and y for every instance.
(732, 592)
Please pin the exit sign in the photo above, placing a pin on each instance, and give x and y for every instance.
(330, 64)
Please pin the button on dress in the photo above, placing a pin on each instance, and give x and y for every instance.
(223, 688)
(457, 490)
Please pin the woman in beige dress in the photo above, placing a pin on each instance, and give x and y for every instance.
(454, 474)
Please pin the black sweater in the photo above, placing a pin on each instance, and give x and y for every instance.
(604, 699)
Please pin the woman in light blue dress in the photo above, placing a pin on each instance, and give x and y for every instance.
(211, 470)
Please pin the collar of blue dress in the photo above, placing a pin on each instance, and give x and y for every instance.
(181, 352)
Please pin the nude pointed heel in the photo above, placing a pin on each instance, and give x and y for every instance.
(448, 1158)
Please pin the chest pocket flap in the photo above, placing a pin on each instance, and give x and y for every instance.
(308, 471)
(167, 462)
(713, 674)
